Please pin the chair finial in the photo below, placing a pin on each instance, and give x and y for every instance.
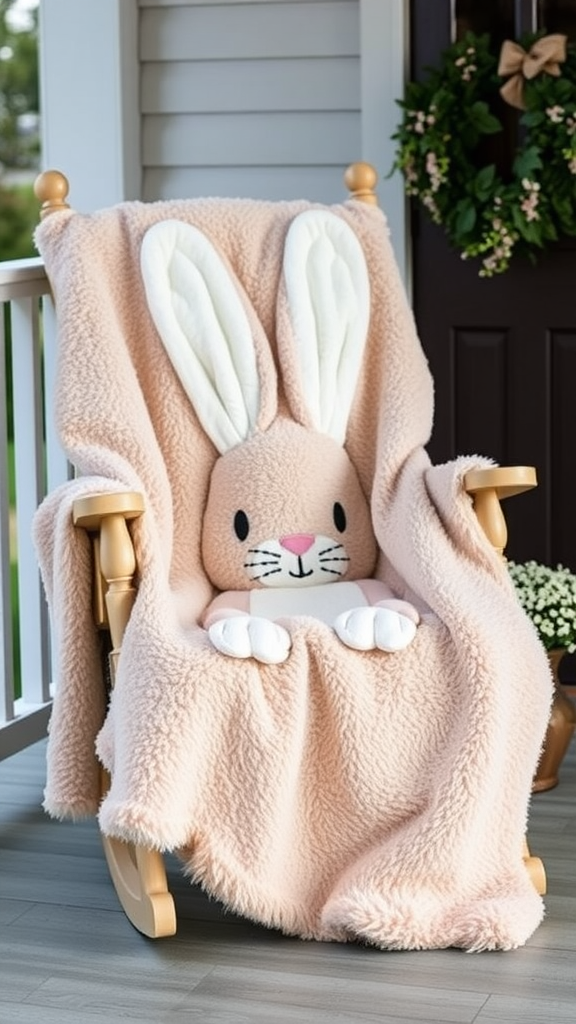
(360, 180)
(51, 188)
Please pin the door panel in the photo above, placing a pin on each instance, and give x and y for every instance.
(558, 16)
(503, 349)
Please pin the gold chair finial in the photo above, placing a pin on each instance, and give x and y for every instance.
(360, 180)
(51, 188)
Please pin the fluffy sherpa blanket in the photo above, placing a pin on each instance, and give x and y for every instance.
(340, 794)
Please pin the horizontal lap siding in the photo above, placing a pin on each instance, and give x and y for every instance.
(249, 99)
(200, 86)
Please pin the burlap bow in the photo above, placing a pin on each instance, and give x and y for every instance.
(546, 54)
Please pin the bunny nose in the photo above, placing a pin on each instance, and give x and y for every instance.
(298, 543)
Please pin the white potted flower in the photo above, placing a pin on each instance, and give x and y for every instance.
(548, 597)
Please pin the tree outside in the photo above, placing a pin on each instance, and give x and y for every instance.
(19, 126)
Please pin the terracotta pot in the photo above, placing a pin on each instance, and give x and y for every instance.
(559, 733)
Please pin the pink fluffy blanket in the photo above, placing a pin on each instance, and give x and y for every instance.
(341, 794)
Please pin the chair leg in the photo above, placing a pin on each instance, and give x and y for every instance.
(139, 877)
(535, 869)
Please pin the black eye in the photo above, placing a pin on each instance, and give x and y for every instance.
(339, 517)
(241, 525)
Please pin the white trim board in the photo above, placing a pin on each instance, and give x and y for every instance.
(384, 44)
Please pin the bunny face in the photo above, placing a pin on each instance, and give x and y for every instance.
(285, 506)
(286, 509)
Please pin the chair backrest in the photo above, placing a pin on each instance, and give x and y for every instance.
(157, 441)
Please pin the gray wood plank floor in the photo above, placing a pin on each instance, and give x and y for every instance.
(68, 954)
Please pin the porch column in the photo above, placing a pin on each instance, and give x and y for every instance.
(89, 96)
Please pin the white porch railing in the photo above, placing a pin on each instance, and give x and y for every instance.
(31, 457)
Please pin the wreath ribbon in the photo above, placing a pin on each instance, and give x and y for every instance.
(545, 55)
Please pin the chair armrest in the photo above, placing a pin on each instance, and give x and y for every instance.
(488, 487)
(505, 480)
(105, 516)
(90, 511)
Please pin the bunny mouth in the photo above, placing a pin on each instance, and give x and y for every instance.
(272, 564)
(302, 573)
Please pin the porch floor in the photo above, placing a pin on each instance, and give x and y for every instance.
(68, 954)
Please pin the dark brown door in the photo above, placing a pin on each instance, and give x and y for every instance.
(503, 349)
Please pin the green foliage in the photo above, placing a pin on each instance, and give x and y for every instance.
(445, 119)
(18, 218)
(19, 91)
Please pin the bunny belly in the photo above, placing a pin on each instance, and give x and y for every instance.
(324, 602)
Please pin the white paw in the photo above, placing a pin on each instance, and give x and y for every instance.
(368, 629)
(247, 636)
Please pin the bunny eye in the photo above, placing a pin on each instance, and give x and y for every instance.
(241, 525)
(339, 517)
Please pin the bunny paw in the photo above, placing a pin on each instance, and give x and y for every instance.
(248, 636)
(368, 629)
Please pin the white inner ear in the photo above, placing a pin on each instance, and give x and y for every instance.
(204, 328)
(328, 293)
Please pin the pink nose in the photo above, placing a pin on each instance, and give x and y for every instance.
(298, 543)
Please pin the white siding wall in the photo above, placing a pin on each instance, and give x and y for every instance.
(250, 98)
(269, 98)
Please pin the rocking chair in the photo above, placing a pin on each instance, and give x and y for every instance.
(141, 389)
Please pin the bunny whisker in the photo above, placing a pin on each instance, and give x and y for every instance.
(335, 572)
(334, 547)
(269, 573)
(254, 565)
(264, 551)
(335, 558)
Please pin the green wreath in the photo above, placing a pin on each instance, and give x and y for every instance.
(483, 213)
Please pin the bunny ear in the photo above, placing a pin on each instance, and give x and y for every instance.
(206, 332)
(323, 318)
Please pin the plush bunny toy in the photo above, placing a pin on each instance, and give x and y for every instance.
(287, 528)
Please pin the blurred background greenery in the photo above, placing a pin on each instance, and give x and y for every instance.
(19, 126)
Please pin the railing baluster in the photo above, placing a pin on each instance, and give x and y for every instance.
(6, 652)
(37, 459)
(30, 489)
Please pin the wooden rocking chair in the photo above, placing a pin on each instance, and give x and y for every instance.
(138, 873)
